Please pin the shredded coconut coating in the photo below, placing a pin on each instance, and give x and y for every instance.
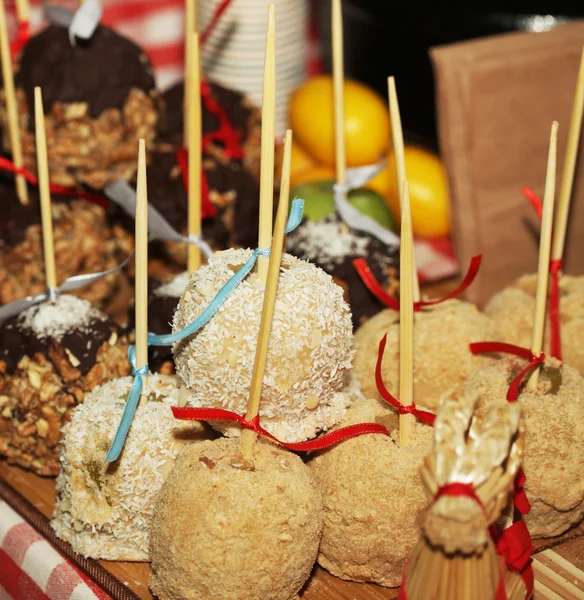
(55, 319)
(220, 531)
(372, 496)
(442, 359)
(104, 510)
(554, 442)
(311, 346)
(512, 312)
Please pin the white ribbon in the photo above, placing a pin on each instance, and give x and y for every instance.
(356, 178)
(81, 24)
(71, 283)
(122, 193)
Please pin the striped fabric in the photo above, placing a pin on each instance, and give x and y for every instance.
(31, 569)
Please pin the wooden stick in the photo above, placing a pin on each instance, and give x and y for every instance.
(22, 10)
(141, 289)
(190, 27)
(406, 320)
(285, 175)
(267, 146)
(12, 107)
(565, 194)
(397, 140)
(248, 437)
(44, 191)
(195, 148)
(338, 93)
(544, 255)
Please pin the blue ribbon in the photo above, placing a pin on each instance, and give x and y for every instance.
(294, 219)
(130, 408)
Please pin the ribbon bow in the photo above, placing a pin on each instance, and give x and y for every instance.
(219, 299)
(325, 441)
(122, 193)
(71, 283)
(130, 407)
(377, 290)
(355, 178)
(534, 361)
(421, 415)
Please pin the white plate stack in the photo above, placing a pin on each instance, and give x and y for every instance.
(234, 54)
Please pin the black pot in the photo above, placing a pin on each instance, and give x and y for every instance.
(383, 38)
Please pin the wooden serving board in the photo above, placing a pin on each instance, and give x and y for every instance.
(553, 579)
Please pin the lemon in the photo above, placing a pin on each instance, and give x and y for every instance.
(367, 126)
(429, 196)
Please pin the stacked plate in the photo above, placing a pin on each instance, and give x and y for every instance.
(234, 54)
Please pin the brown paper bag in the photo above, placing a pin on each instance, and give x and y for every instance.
(496, 100)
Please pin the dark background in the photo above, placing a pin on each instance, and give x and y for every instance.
(383, 38)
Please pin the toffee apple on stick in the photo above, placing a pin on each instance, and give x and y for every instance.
(442, 359)
(311, 325)
(105, 499)
(361, 542)
(312, 240)
(551, 401)
(264, 492)
(70, 345)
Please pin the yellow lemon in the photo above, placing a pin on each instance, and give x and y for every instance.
(367, 126)
(429, 196)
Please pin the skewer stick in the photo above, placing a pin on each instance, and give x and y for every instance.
(285, 175)
(141, 289)
(194, 146)
(567, 183)
(406, 319)
(248, 437)
(267, 145)
(11, 107)
(22, 11)
(44, 191)
(544, 255)
(190, 20)
(338, 93)
(397, 140)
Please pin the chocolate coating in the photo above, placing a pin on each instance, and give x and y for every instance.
(17, 341)
(233, 190)
(100, 71)
(383, 261)
(233, 103)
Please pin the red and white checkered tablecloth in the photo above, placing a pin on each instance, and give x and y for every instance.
(31, 569)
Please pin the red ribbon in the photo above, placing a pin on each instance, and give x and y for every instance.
(421, 415)
(8, 165)
(555, 328)
(457, 489)
(208, 209)
(519, 495)
(375, 288)
(514, 544)
(533, 199)
(214, 20)
(555, 271)
(534, 361)
(22, 37)
(225, 133)
(326, 441)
